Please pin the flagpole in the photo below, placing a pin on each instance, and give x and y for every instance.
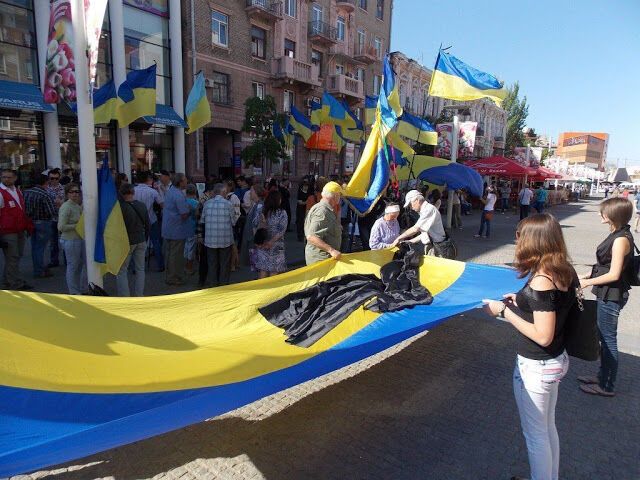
(87, 144)
(454, 158)
(193, 76)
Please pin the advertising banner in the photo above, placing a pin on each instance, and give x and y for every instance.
(157, 7)
(59, 75)
(466, 139)
(94, 17)
(535, 156)
(349, 157)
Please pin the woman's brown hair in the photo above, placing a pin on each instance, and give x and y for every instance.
(618, 211)
(540, 246)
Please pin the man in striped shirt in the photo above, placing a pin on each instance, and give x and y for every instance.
(40, 208)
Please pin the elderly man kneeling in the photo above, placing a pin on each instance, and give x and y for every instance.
(322, 226)
(386, 229)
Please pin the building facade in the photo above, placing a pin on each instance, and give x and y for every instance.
(413, 86)
(136, 34)
(291, 50)
(588, 148)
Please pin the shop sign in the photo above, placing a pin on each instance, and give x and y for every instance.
(157, 7)
(349, 157)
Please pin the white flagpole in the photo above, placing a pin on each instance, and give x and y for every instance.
(454, 158)
(88, 174)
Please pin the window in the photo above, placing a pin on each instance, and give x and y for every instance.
(380, 10)
(219, 29)
(316, 14)
(340, 69)
(258, 90)
(220, 93)
(22, 146)
(360, 74)
(151, 148)
(17, 42)
(289, 48)
(377, 43)
(290, 7)
(258, 42)
(5, 124)
(289, 100)
(316, 59)
(340, 27)
(362, 4)
(362, 36)
(377, 82)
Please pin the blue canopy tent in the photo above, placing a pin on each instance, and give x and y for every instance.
(455, 176)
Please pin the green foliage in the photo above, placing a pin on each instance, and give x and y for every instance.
(517, 112)
(259, 117)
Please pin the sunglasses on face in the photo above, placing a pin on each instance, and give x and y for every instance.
(74, 191)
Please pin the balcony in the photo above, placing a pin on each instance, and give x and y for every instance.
(289, 70)
(344, 86)
(365, 53)
(267, 10)
(346, 5)
(322, 33)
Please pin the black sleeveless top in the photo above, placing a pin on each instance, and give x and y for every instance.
(618, 290)
(530, 300)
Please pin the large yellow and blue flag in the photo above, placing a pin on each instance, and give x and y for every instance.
(301, 124)
(454, 79)
(198, 110)
(402, 149)
(105, 103)
(370, 104)
(137, 96)
(417, 129)
(389, 99)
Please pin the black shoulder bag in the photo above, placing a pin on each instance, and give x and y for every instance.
(581, 339)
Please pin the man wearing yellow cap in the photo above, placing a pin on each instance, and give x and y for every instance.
(322, 226)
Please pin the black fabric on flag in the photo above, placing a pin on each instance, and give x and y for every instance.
(308, 315)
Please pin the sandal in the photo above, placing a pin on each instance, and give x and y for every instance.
(596, 390)
(588, 380)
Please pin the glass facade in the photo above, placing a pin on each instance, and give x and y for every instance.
(18, 48)
(22, 143)
(151, 147)
(105, 137)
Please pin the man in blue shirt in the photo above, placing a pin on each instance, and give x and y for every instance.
(175, 230)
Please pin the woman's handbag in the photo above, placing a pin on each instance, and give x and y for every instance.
(581, 338)
(488, 215)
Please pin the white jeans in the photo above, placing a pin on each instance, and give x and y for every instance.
(535, 386)
(76, 274)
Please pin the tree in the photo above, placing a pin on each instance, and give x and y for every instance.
(517, 112)
(260, 115)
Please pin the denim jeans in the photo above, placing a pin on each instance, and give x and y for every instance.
(484, 221)
(39, 240)
(137, 254)
(608, 313)
(524, 211)
(156, 242)
(76, 273)
(505, 204)
(535, 386)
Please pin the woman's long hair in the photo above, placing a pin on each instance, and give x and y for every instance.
(540, 246)
(272, 203)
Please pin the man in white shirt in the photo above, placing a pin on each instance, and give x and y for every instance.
(429, 225)
(145, 193)
(524, 197)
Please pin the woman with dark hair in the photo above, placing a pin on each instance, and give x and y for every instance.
(610, 281)
(539, 312)
(270, 258)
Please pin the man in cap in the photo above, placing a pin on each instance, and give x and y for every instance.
(429, 225)
(322, 226)
(386, 228)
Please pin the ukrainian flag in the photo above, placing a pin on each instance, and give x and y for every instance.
(389, 98)
(338, 138)
(454, 79)
(402, 148)
(198, 110)
(301, 124)
(317, 114)
(284, 133)
(417, 129)
(334, 112)
(370, 104)
(105, 103)
(137, 96)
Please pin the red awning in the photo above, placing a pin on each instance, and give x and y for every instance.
(501, 167)
(543, 174)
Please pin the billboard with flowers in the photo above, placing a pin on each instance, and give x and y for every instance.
(59, 76)
(466, 139)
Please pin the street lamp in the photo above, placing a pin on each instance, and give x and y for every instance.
(457, 110)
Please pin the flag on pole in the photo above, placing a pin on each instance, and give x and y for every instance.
(301, 124)
(389, 98)
(137, 96)
(198, 110)
(335, 113)
(370, 104)
(417, 129)
(317, 114)
(94, 18)
(454, 79)
(105, 103)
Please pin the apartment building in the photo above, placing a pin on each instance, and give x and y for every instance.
(290, 49)
(587, 148)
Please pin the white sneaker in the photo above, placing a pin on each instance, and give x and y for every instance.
(477, 235)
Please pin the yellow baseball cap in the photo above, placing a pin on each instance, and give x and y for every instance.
(332, 187)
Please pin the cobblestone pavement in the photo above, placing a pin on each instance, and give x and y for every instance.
(437, 406)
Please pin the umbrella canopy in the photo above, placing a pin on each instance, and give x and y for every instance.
(500, 166)
(543, 174)
(455, 176)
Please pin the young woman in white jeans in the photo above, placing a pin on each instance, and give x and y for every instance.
(538, 312)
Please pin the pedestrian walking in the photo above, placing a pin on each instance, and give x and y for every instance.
(386, 229)
(322, 226)
(456, 218)
(217, 217)
(541, 199)
(257, 202)
(487, 213)
(57, 193)
(71, 242)
(175, 230)
(40, 208)
(136, 221)
(539, 312)
(270, 256)
(152, 199)
(14, 226)
(524, 199)
(610, 281)
(505, 195)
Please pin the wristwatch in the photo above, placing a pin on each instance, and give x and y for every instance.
(501, 313)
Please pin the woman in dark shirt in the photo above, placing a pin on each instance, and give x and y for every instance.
(538, 312)
(610, 281)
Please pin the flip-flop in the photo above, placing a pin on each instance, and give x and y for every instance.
(596, 390)
(588, 380)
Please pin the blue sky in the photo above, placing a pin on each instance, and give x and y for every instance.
(577, 61)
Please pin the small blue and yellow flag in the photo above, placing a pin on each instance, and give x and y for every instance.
(454, 79)
(137, 96)
(389, 98)
(105, 103)
(417, 129)
(395, 141)
(198, 110)
(335, 113)
(317, 114)
(370, 105)
(301, 124)
(284, 133)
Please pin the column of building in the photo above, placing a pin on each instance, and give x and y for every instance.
(177, 89)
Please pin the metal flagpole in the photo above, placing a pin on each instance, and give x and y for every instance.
(193, 75)
(88, 170)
